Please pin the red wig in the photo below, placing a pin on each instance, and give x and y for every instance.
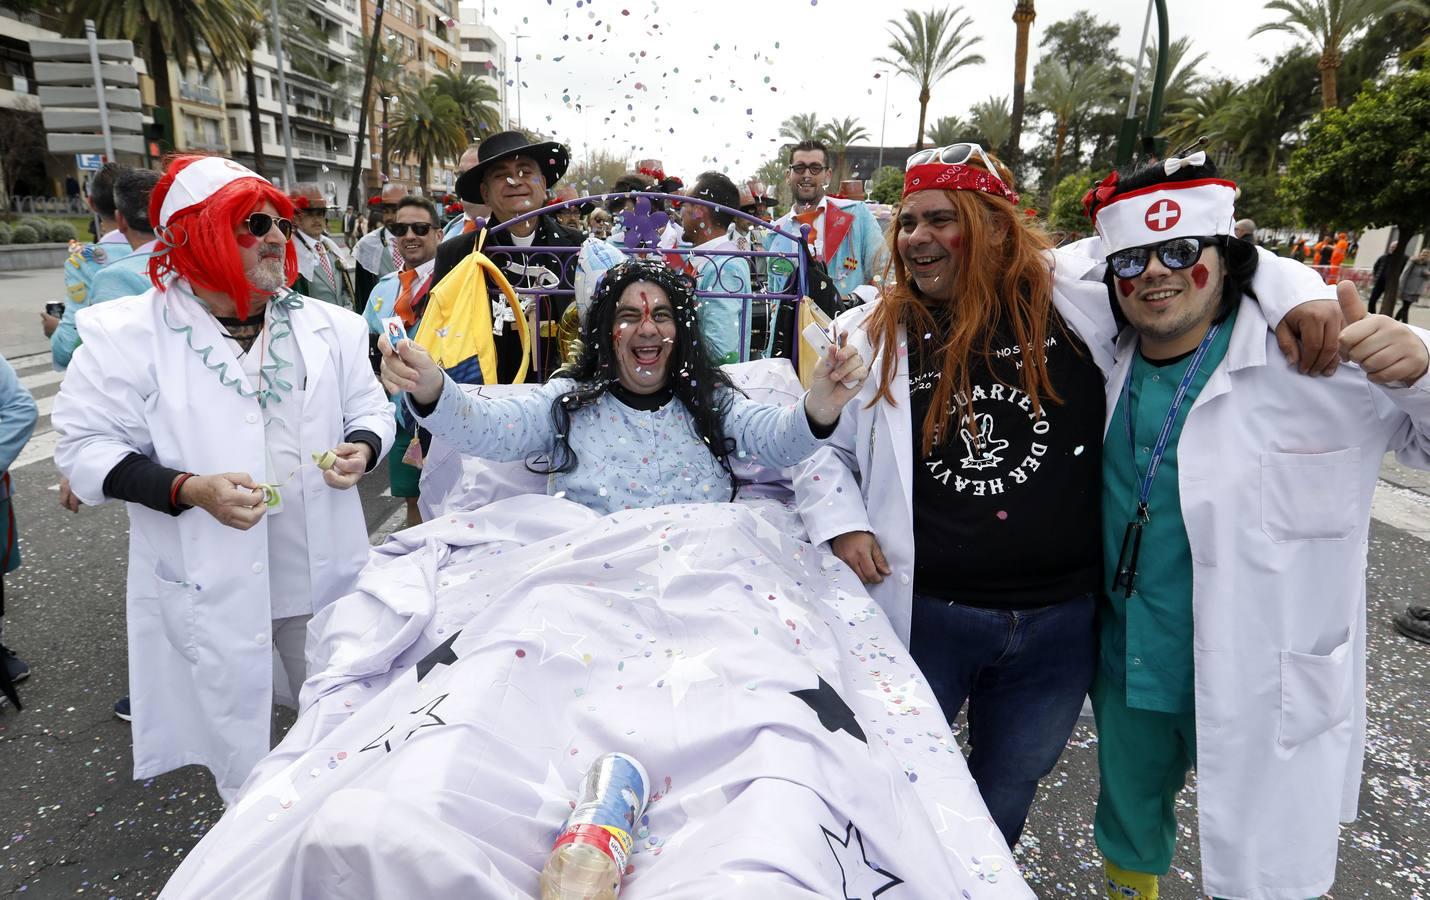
(199, 242)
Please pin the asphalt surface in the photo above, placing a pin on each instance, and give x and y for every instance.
(73, 822)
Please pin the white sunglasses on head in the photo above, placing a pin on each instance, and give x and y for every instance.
(953, 155)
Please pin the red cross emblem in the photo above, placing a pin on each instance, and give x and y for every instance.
(1163, 215)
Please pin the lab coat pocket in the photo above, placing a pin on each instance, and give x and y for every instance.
(1310, 496)
(175, 600)
(1315, 693)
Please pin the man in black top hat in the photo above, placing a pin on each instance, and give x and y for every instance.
(512, 176)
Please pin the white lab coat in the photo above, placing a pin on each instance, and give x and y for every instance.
(862, 479)
(1276, 472)
(200, 642)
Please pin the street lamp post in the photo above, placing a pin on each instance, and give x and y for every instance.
(883, 122)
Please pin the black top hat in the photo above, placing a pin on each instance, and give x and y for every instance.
(550, 156)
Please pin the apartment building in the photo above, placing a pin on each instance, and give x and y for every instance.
(484, 54)
(424, 36)
(324, 81)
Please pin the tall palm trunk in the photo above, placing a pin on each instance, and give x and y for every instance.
(158, 62)
(425, 173)
(1023, 16)
(923, 116)
(386, 159)
(1058, 153)
(1329, 64)
(255, 121)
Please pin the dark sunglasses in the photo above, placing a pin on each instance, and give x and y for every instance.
(259, 224)
(811, 168)
(399, 229)
(1177, 253)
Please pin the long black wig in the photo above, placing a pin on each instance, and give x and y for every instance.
(693, 378)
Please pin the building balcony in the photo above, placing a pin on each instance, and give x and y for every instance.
(199, 93)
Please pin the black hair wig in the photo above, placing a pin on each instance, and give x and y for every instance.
(693, 378)
(1238, 257)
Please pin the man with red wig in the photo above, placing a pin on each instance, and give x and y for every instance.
(234, 417)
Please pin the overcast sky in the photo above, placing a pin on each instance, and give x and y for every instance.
(706, 85)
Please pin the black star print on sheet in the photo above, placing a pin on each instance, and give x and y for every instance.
(429, 713)
(834, 714)
(440, 656)
(862, 880)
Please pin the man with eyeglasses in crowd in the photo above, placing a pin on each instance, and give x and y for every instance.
(416, 235)
(376, 253)
(324, 272)
(201, 403)
(842, 233)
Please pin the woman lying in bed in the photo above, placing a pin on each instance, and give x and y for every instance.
(642, 417)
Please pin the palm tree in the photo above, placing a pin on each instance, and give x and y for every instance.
(389, 77)
(1183, 77)
(255, 31)
(947, 130)
(1327, 25)
(928, 46)
(802, 127)
(841, 133)
(428, 125)
(1066, 94)
(477, 100)
(994, 125)
(165, 31)
(1023, 16)
(1202, 113)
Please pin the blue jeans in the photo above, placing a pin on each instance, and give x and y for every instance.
(1024, 674)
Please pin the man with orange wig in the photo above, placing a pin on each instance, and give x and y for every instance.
(963, 484)
(233, 417)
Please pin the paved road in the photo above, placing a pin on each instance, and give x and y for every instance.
(73, 822)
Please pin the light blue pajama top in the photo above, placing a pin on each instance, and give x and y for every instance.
(625, 458)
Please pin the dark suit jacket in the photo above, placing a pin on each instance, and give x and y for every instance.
(533, 269)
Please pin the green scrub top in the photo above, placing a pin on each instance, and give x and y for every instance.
(1145, 641)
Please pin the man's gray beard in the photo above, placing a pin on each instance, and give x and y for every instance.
(267, 275)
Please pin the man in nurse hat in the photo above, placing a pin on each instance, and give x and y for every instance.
(202, 404)
(1235, 508)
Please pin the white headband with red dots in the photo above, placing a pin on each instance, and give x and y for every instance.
(1160, 212)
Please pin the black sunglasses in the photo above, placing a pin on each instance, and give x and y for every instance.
(259, 224)
(1177, 253)
(399, 229)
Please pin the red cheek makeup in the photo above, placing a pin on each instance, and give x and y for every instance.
(1199, 275)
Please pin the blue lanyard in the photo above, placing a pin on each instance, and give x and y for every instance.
(1159, 450)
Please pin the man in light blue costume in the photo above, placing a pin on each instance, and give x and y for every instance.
(843, 233)
(85, 261)
(404, 294)
(129, 275)
(724, 321)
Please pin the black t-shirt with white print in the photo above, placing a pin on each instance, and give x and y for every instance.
(1010, 519)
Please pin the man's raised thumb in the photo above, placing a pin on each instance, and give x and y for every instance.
(1352, 307)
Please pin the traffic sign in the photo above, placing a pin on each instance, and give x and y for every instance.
(94, 143)
(77, 50)
(82, 97)
(80, 81)
(88, 162)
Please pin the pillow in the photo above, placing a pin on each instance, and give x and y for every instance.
(452, 481)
